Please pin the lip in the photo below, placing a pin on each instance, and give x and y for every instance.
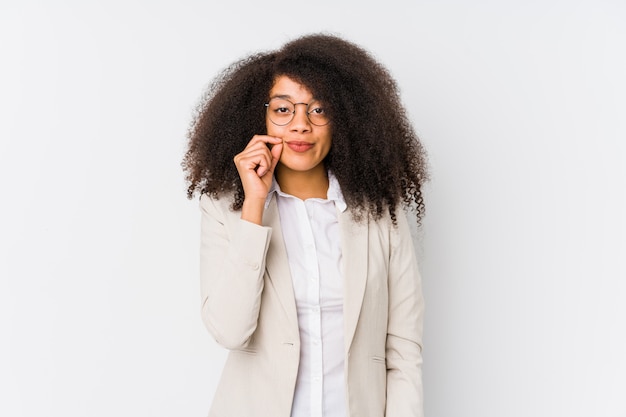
(299, 146)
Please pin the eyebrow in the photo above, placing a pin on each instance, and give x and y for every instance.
(288, 97)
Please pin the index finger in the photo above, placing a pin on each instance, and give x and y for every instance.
(265, 139)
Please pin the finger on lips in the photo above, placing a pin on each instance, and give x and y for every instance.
(260, 155)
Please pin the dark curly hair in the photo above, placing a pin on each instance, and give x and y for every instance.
(375, 154)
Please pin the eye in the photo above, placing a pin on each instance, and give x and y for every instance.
(280, 107)
(317, 110)
(282, 110)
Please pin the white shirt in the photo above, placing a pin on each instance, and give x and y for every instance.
(311, 234)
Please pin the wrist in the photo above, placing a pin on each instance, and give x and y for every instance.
(252, 210)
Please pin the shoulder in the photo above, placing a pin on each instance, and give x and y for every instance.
(399, 232)
(386, 222)
(216, 207)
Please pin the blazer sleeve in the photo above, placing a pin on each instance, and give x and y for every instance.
(404, 328)
(232, 264)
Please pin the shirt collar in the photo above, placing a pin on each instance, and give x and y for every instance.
(333, 194)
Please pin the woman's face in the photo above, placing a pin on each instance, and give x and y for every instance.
(305, 144)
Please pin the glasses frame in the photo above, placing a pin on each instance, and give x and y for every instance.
(293, 113)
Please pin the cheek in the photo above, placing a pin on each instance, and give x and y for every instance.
(272, 129)
(327, 144)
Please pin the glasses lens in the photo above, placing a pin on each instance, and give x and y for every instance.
(317, 114)
(280, 111)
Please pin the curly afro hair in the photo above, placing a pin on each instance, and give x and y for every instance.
(375, 154)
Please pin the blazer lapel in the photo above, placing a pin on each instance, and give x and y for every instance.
(354, 244)
(277, 265)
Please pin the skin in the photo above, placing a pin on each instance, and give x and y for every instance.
(294, 153)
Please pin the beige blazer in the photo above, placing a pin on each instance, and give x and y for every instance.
(248, 306)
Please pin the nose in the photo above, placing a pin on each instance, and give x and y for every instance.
(300, 122)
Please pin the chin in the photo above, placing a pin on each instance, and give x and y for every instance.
(299, 166)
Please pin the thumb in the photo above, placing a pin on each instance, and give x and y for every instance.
(276, 152)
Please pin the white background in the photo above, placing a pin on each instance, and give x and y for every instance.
(522, 106)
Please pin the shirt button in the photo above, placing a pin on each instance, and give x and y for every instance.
(315, 309)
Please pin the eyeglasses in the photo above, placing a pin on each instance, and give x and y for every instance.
(282, 111)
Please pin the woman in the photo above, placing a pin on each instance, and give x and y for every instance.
(308, 273)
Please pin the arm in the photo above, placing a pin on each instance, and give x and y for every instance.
(232, 263)
(404, 328)
(233, 253)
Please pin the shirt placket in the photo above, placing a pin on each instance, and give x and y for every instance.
(315, 316)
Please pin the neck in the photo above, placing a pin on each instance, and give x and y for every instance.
(303, 184)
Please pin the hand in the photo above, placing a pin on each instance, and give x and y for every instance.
(256, 164)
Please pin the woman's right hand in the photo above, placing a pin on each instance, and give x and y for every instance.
(255, 165)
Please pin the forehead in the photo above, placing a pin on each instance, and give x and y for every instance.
(286, 87)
